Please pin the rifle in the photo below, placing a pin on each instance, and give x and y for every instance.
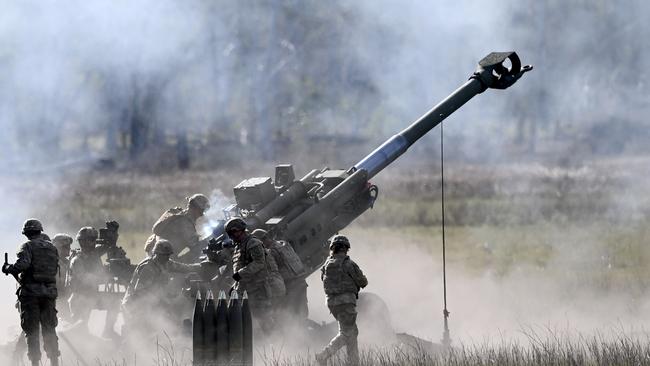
(6, 263)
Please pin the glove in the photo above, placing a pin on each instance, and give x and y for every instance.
(5, 268)
(236, 276)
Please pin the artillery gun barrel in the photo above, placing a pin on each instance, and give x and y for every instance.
(491, 73)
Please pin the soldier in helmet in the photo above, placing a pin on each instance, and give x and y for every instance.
(177, 226)
(342, 280)
(147, 294)
(36, 269)
(251, 273)
(293, 274)
(85, 275)
(62, 243)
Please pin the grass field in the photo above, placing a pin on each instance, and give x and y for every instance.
(528, 245)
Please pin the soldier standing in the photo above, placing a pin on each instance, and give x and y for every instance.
(62, 244)
(251, 273)
(85, 275)
(342, 279)
(147, 294)
(177, 226)
(292, 271)
(36, 269)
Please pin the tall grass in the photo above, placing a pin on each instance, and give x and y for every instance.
(551, 349)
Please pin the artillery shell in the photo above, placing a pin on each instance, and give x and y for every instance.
(221, 327)
(198, 338)
(209, 330)
(247, 331)
(235, 339)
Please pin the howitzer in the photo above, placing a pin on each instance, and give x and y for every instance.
(308, 211)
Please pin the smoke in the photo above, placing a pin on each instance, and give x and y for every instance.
(79, 77)
(93, 77)
(218, 202)
(558, 296)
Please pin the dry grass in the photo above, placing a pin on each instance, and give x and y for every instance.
(497, 223)
(548, 348)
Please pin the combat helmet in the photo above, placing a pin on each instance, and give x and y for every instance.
(260, 234)
(163, 247)
(62, 240)
(200, 201)
(339, 241)
(32, 225)
(87, 233)
(234, 224)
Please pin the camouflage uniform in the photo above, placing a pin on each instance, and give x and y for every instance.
(149, 284)
(148, 292)
(223, 280)
(85, 274)
(342, 279)
(293, 273)
(178, 227)
(62, 244)
(36, 268)
(276, 283)
(249, 263)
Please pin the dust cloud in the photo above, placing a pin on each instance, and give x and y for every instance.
(76, 68)
(485, 305)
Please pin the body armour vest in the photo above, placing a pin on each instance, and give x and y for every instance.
(292, 266)
(336, 280)
(45, 262)
(241, 256)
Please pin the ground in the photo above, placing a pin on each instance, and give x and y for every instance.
(528, 245)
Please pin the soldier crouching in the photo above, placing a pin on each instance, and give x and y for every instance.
(147, 298)
(342, 279)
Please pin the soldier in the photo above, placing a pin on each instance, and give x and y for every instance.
(177, 225)
(342, 279)
(85, 275)
(251, 273)
(293, 273)
(148, 290)
(36, 269)
(62, 243)
(276, 283)
(224, 281)
(208, 268)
